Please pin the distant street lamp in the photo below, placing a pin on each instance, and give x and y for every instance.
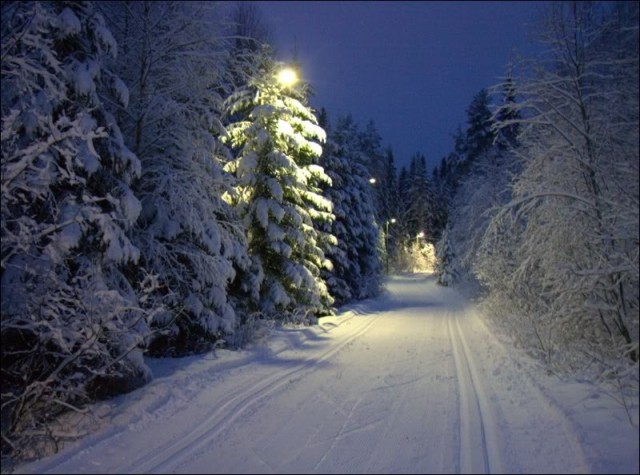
(386, 239)
(372, 181)
(420, 235)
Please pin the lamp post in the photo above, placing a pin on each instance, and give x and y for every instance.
(420, 235)
(386, 241)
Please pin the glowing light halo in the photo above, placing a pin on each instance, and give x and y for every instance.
(287, 77)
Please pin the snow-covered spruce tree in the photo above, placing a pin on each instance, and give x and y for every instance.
(279, 198)
(446, 260)
(72, 329)
(450, 165)
(390, 204)
(574, 212)
(373, 157)
(476, 140)
(418, 215)
(480, 135)
(188, 236)
(334, 167)
(357, 267)
(420, 199)
(507, 116)
(400, 228)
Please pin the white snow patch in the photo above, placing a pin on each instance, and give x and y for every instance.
(131, 206)
(68, 23)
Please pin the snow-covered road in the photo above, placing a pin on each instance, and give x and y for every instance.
(411, 382)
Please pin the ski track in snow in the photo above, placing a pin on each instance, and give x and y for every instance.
(485, 446)
(168, 457)
(411, 382)
(478, 453)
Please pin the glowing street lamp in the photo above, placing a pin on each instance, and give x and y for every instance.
(391, 221)
(372, 181)
(287, 77)
(386, 238)
(419, 236)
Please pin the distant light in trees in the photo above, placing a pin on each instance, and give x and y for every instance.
(372, 181)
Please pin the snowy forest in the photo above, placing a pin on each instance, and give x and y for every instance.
(165, 193)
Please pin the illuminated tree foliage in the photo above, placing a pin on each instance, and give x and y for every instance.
(279, 197)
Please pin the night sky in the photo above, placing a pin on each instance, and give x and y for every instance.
(412, 67)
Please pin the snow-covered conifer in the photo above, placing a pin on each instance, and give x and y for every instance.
(188, 236)
(508, 115)
(356, 257)
(446, 263)
(420, 199)
(71, 325)
(278, 196)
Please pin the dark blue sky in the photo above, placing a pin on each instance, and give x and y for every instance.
(412, 67)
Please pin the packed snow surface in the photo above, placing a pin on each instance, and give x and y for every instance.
(413, 381)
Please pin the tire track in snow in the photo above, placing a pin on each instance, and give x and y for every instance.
(478, 452)
(169, 456)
